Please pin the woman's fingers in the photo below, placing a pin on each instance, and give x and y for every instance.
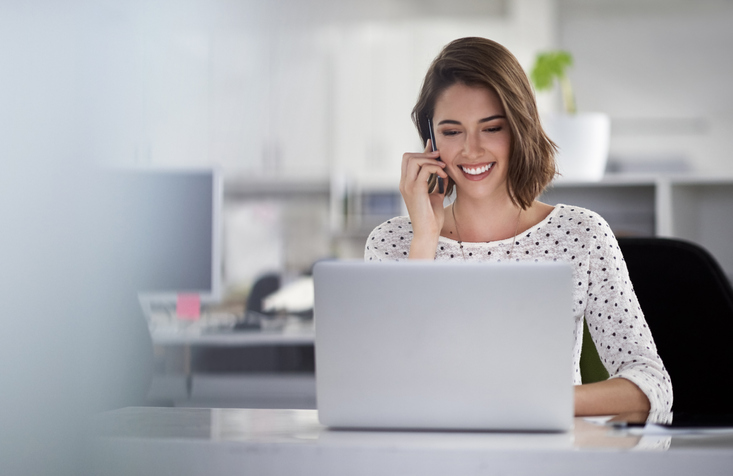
(421, 171)
(428, 152)
(409, 157)
(417, 187)
(426, 171)
(412, 165)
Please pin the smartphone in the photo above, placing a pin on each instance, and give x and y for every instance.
(441, 188)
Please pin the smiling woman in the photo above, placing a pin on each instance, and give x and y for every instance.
(496, 159)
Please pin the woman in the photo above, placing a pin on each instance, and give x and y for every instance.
(492, 151)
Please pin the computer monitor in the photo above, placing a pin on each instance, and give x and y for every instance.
(172, 225)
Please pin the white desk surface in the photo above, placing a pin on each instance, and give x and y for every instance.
(293, 332)
(197, 441)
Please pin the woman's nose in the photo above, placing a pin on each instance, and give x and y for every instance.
(472, 146)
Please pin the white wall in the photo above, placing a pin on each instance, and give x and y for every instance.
(662, 70)
(295, 87)
(69, 82)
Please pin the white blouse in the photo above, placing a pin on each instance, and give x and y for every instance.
(603, 294)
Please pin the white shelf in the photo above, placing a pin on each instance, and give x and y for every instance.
(245, 186)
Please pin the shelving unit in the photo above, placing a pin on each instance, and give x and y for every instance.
(629, 206)
(702, 211)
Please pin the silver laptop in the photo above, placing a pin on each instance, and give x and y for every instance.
(430, 345)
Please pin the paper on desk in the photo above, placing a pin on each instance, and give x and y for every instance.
(598, 420)
(297, 296)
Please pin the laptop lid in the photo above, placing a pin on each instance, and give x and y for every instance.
(444, 345)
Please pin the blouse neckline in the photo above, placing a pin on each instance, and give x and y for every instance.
(530, 230)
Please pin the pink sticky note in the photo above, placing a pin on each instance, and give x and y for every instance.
(188, 306)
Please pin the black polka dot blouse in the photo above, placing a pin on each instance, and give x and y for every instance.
(603, 293)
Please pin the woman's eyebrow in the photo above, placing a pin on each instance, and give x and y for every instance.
(485, 119)
(491, 118)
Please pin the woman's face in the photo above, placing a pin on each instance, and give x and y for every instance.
(473, 136)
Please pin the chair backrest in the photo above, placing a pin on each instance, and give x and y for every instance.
(688, 303)
(263, 287)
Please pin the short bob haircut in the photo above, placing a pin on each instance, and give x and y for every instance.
(484, 63)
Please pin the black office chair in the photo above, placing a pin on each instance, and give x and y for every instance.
(253, 313)
(688, 303)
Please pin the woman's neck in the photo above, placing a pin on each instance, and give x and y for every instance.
(483, 220)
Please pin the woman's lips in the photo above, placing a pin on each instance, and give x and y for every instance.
(477, 172)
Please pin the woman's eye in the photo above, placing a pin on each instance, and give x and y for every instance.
(449, 133)
(493, 129)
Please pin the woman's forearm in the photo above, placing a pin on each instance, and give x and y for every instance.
(610, 397)
(423, 247)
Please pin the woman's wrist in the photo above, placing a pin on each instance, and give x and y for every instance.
(610, 397)
(423, 247)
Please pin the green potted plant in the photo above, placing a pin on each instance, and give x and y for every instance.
(582, 138)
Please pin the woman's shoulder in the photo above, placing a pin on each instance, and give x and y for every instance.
(581, 225)
(579, 215)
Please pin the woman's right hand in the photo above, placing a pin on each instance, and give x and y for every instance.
(426, 209)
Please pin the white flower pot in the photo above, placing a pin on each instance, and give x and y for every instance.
(583, 140)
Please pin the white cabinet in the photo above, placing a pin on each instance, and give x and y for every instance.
(235, 89)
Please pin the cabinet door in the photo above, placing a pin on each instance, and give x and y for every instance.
(240, 90)
(175, 97)
(374, 92)
(299, 105)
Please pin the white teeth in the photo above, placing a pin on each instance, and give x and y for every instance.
(478, 170)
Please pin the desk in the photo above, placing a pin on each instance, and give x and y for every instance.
(265, 384)
(189, 441)
(293, 331)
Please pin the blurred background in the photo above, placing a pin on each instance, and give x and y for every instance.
(303, 105)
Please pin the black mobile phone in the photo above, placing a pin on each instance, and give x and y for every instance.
(441, 188)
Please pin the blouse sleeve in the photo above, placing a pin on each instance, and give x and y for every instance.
(370, 253)
(617, 325)
(389, 241)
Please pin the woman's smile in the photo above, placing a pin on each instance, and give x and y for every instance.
(477, 172)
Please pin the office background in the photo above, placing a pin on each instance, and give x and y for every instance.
(305, 106)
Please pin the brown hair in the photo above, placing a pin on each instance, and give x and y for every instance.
(485, 63)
